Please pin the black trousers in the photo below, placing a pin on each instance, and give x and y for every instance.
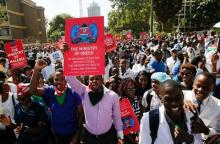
(64, 139)
(110, 137)
(7, 136)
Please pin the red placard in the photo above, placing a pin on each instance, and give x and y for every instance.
(109, 43)
(117, 38)
(15, 52)
(130, 121)
(129, 36)
(85, 36)
(143, 35)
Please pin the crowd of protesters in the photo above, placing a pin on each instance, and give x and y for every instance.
(172, 83)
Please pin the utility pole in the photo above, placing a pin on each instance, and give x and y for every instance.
(80, 9)
(151, 19)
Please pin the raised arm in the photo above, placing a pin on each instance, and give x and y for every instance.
(76, 85)
(35, 78)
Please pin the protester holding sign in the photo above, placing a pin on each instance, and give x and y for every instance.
(101, 109)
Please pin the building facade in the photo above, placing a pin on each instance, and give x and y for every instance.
(94, 9)
(22, 19)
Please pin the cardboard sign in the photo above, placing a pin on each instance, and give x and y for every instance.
(129, 36)
(57, 55)
(15, 53)
(130, 121)
(109, 43)
(85, 37)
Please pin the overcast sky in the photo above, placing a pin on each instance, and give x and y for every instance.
(54, 7)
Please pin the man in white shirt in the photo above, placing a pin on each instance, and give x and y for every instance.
(7, 107)
(151, 100)
(207, 107)
(140, 65)
(125, 71)
(49, 70)
(172, 60)
(173, 122)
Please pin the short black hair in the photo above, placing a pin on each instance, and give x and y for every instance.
(171, 83)
(210, 76)
(59, 70)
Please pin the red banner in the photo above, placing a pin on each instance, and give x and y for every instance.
(143, 35)
(129, 36)
(15, 53)
(109, 43)
(85, 36)
(130, 121)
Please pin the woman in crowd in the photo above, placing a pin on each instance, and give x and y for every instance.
(143, 83)
(128, 90)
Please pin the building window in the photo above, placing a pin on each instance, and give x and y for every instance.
(3, 16)
(4, 32)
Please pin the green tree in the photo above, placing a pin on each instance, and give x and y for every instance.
(57, 26)
(129, 15)
(165, 11)
(205, 14)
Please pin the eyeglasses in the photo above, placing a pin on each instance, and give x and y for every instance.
(131, 89)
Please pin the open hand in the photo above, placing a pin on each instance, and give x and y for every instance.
(6, 120)
(190, 106)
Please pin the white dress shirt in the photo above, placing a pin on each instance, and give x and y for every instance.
(209, 112)
(163, 135)
(170, 63)
(48, 71)
(128, 74)
(155, 101)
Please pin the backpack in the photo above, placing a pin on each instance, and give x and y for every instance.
(148, 99)
(154, 124)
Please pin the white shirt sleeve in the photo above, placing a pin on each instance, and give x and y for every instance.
(144, 136)
(144, 99)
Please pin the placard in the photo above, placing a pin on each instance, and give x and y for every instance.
(15, 52)
(129, 119)
(109, 43)
(85, 37)
(57, 55)
(129, 36)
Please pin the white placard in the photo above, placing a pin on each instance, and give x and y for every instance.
(57, 55)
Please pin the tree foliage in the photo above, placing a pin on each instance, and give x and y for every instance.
(57, 26)
(205, 14)
(129, 15)
(165, 11)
